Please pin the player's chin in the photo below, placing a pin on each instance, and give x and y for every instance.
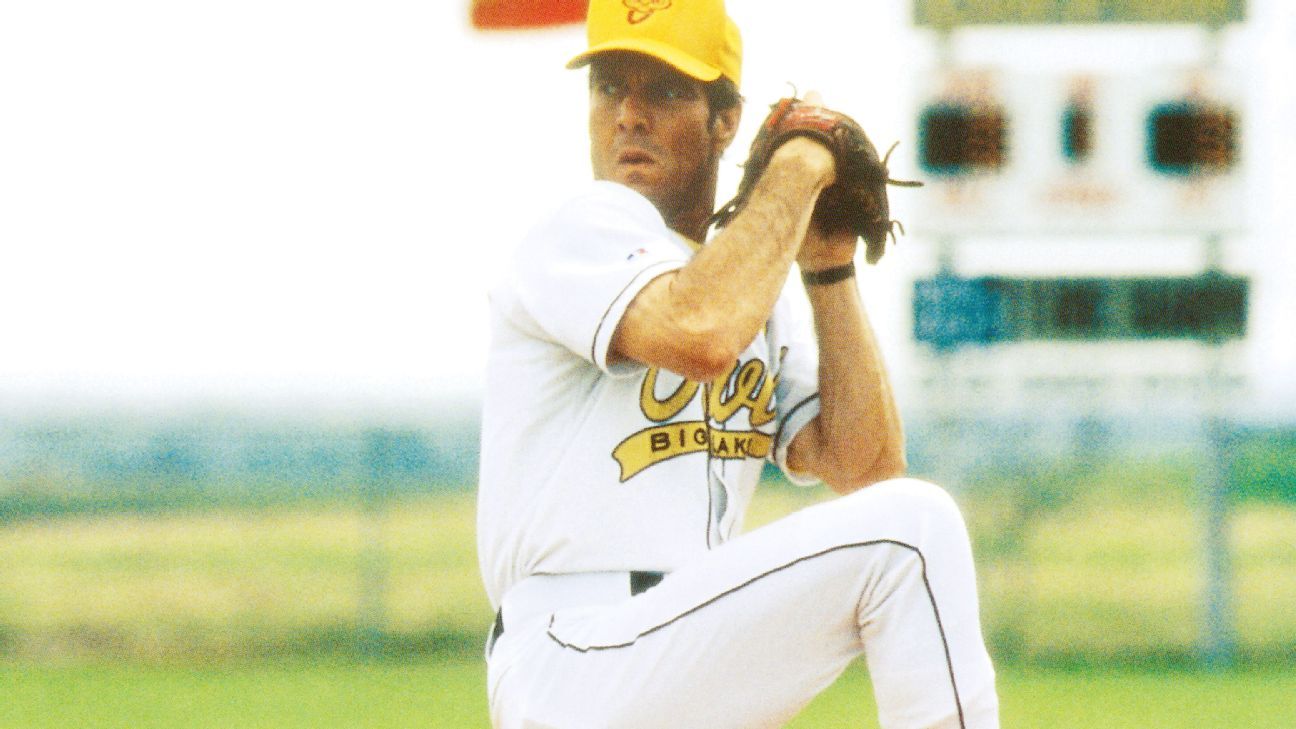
(642, 181)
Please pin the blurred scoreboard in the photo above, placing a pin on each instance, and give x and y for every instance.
(1013, 152)
(951, 311)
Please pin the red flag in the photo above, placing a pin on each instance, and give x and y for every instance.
(516, 14)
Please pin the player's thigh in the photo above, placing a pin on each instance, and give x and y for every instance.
(750, 657)
(743, 637)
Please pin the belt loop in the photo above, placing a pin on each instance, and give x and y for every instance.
(644, 581)
(496, 631)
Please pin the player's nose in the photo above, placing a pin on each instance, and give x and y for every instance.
(633, 113)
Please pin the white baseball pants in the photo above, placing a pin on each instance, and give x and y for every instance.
(748, 634)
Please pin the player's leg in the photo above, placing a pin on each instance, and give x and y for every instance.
(747, 635)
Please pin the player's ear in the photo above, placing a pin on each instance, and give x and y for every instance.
(724, 126)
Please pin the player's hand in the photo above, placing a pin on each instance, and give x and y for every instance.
(826, 249)
(809, 148)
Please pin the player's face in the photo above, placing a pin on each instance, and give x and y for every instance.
(651, 130)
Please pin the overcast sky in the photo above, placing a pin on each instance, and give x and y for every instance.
(283, 196)
(272, 195)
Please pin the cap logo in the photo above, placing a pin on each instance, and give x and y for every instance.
(641, 10)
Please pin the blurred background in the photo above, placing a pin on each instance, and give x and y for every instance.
(244, 255)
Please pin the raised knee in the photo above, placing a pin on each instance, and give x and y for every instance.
(923, 493)
(909, 498)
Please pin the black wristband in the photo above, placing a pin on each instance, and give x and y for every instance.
(828, 275)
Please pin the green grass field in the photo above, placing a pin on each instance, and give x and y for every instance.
(1095, 579)
(312, 695)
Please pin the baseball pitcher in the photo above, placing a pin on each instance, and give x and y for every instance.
(647, 358)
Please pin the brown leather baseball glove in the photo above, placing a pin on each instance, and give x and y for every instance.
(856, 201)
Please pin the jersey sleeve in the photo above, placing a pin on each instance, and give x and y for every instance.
(578, 270)
(794, 346)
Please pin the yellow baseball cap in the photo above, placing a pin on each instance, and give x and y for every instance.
(697, 37)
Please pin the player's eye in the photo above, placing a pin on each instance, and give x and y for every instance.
(610, 88)
(670, 92)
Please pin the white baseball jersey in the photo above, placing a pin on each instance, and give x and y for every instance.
(587, 467)
(591, 472)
